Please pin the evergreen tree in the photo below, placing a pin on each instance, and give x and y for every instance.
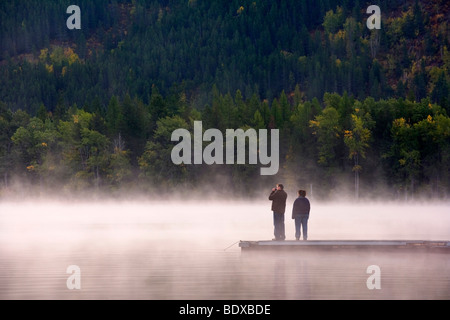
(441, 92)
(356, 141)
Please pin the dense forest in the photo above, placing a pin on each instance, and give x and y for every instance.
(361, 113)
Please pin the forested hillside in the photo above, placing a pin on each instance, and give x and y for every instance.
(361, 112)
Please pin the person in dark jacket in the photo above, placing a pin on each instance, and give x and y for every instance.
(278, 197)
(300, 212)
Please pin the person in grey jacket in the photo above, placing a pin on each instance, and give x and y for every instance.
(300, 212)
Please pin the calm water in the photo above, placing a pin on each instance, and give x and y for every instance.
(189, 251)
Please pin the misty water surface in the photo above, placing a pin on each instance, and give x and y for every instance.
(188, 250)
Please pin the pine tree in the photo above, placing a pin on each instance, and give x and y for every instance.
(440, 93)
(356, 141)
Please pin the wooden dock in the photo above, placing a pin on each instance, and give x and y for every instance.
(366, 245)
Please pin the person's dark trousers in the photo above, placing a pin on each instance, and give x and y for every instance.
(302, 221)
(278, 223)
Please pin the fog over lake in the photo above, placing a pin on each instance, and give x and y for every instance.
(189, 250)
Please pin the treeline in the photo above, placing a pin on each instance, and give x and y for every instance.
(258, 47)
(338, 145)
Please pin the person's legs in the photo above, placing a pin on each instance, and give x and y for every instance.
(305, 226)
(278, 223)
(298, 222)
(275, 225)
(282, 229)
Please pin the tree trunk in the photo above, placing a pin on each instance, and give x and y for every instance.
(97, 178)
(356, 176)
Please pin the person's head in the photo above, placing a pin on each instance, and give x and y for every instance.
(302, 193)
(280, 186)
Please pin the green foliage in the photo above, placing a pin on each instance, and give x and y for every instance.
(95, 108)
(328, 131)
(156, 163)
(411, 140)
(333, 20)
(134, 48)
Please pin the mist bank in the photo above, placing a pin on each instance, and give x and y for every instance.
(184, 225)
(216, 189)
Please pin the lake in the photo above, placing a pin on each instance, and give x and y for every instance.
(189, 250)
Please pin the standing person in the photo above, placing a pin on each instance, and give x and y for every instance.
(278, 197)
(300, 212)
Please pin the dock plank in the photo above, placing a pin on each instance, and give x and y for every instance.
(344, 244)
